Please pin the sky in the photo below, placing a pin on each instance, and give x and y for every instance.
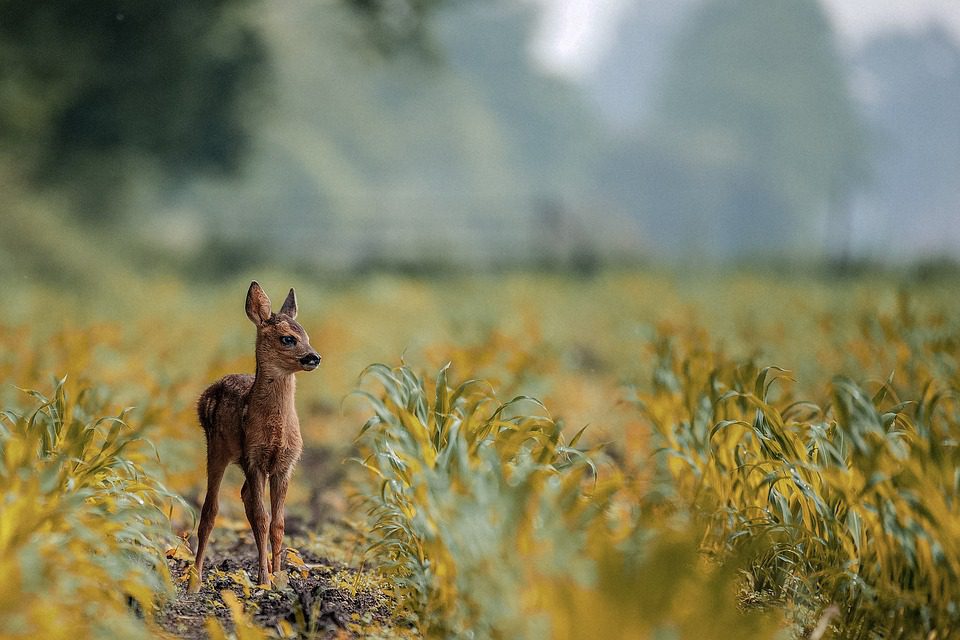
(859, 19)
(573, 34)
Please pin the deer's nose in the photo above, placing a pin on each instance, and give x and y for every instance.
(310, 360)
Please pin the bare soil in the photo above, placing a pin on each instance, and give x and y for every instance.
(314, 596)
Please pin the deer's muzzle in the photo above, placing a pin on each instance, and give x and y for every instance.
(310, 361)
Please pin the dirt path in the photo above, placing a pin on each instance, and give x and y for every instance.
(323, 592)
(314, 597)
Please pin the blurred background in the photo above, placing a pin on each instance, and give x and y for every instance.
(620, 207)
(208, 138)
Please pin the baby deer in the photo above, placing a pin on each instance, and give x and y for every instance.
(250, 420)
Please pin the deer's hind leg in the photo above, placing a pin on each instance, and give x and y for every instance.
(252, 494)
(208, 514)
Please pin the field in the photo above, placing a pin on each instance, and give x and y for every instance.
(625, 455)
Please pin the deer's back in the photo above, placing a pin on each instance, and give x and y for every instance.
(221, 409)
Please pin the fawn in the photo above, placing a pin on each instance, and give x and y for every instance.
(250, 420)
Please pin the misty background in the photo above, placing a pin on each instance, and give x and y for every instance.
(474, 134)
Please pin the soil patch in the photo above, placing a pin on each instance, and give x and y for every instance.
(313, 597)
(318, 594)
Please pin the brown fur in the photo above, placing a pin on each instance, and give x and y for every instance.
(250, 420)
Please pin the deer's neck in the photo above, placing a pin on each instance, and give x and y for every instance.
(273, 392)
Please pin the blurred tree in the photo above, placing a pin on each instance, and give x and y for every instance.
(398, 24)
(447, 152)
(94, 89)
(548, 127)
(623, 82)
(756, 132)
(96, 92)
(911, 82)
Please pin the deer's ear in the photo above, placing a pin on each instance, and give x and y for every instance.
(258, 304)
(290, 305)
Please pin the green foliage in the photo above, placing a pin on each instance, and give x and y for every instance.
(851, 507)
(95, 89)
(84, 524)
(494, 526)
(398, 24)
(461, 483)
(492, 520)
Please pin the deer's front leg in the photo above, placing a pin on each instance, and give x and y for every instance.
(278, 495)
(252, 494)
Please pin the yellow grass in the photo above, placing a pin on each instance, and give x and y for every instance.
(630, 354)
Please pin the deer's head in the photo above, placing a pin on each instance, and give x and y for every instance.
(282, 344)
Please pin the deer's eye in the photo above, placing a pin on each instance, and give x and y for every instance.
(288, 341)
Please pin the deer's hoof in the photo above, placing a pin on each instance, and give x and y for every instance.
(193, 585)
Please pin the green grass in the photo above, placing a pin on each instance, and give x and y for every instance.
(493, 524)
(84, 525)
(708, 497)
(852, 505)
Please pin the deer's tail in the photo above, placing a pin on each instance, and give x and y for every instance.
(207, 406)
